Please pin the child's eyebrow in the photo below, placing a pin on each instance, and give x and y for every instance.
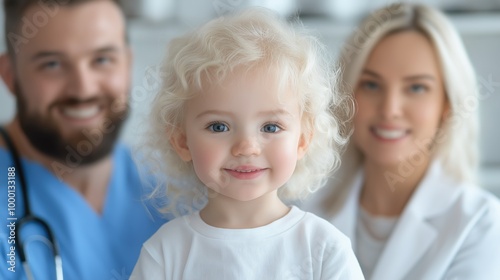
(213, 112)
(276, 112)
(281, 112)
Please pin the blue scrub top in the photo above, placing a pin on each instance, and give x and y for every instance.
(92, 246)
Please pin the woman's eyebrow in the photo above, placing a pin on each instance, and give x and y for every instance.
(411, 77)
(371, 73)
(420, 76)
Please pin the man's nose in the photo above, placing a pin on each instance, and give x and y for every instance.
(83, 82)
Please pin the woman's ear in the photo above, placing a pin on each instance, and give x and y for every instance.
(446, 111)
(179, 143)
(7, 72)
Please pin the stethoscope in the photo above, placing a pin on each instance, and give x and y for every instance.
(30, 217)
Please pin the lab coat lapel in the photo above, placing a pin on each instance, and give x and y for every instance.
(409, 241)
(345, 220)
(414, 234)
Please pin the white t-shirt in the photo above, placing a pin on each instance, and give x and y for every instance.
(298, 246)
(372, 233)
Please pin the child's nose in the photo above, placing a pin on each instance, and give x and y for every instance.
(246, 146)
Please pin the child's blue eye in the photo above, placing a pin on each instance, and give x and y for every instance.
(270, 128)
(218, 127)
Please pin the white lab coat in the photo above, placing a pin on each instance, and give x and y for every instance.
(447, 231)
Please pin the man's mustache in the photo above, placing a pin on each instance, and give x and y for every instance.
(104, 101)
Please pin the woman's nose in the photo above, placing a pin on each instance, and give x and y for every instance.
(391, 104)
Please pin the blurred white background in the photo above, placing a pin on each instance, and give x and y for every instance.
(154, 22)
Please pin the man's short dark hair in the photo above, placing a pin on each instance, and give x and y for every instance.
(15, 10)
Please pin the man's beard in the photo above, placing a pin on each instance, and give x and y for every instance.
(44, 135)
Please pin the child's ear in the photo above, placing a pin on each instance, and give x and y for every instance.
(179, 143)
(304, 141)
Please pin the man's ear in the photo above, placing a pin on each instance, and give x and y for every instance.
(7, 72)
(179, 143)
(130, 56)
(304, 141)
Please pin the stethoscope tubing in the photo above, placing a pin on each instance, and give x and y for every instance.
(29, 217)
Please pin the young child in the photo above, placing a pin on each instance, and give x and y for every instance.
(245, 111)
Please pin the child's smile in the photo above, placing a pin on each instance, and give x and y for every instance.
(245, 172)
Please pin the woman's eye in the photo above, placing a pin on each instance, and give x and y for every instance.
(417, 88)
(370, 85)
(218, 127)
(270, 128)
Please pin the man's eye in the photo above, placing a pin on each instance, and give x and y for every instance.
(103, 60)
(218, 127)
(270, 128)
(51, 65)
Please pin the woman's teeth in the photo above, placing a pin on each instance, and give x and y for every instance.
(390, 133)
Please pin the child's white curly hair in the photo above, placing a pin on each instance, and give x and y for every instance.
(253, 38)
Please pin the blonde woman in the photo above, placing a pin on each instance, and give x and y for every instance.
(405, 192)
